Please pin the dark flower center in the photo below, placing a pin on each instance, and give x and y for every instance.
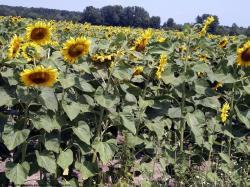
(39, 77)
(76, 50)
(246, 55)
(38, 33)
(15, 48)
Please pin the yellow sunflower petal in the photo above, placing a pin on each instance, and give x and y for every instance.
(39, 76)
(75, 48)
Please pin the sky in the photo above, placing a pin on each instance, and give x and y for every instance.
(183, 11)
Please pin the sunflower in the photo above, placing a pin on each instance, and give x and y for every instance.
(30, 51)
(243, 55)
(39, 33)
(224, 112)
(142, 42)
(39, 76)
(161, 66)
(138, 70)
(75, 48)
(223, 42)
(14, 47)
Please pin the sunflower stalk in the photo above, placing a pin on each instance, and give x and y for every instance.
(231, 120)
(99, 126)
(183, 100)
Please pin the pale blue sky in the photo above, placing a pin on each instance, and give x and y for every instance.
(228, 11)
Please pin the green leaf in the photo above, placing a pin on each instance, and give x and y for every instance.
(65, 159)
(143, 104)
(8, 74)
(67, 82)
(12, 138)
(105, 100)
(193, 121)
(7, 99)
(17, 173)
(210, 102)
(83, 132)
(84, 86)
(122, 72)
(52, 143)
(128, 121)
(87, 169)
(243, 117)
(226, 158)
(46, 161)
(174, 112)
(157, 127)
(105, 150)
(49, 99)
(247, 89)
(132, 141)
(72, 110)
(221, 77)
(201, 67)
(46, 123)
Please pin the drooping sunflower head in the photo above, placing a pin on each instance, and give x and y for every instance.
(39, 76)
(75, 48)
(39, 33)
(243, 55)
(14, 47)
(30, 51)
(223, 42)
(138, 70)
(141, 42)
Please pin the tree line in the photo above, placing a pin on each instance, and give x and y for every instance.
(118, 16)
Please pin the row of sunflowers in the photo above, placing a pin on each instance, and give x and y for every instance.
(118, 106)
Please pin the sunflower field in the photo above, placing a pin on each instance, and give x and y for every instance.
(85, 105)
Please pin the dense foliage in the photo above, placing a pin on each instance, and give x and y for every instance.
(122, 106)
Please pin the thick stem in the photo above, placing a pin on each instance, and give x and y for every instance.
(24, 148)
(99, 125)
(231, 119)
(183, 112)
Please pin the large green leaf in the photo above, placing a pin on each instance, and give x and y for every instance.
(7, 99)
(46, 123)
(106, 150)
(46, 161)
(132, 141)
(87, 169)
(67, 82)
(17, 173)
(49, 99)
(194, 121)
(84, 86)
(157, 127)
(243, 117)
(128, 121)
(12, 137)
(83, 132)
(201, 67)
(52, 142)
(72, 109)
(105, 100)
(65, 159)
(210, 102)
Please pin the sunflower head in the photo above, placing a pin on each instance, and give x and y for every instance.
(243, 55)
(223, 42)
(75, 48)
(30, 51)
(138, 70)
(39, 33)
(39, 76)
(14, 47)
